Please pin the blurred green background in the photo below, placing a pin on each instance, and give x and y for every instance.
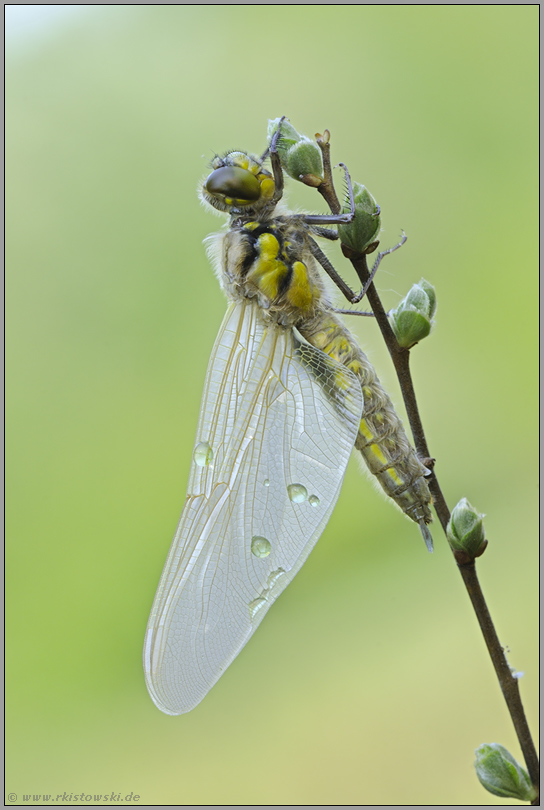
(368, 682)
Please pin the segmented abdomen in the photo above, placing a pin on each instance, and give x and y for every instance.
(381, 438)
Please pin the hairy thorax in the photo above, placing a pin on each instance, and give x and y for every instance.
(272, 263)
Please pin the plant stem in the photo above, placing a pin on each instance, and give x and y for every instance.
(401, 361)
(508, 683)
(326, 189)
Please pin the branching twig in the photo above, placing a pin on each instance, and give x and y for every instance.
(508, 683)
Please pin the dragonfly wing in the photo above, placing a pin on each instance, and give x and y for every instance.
(277, 425)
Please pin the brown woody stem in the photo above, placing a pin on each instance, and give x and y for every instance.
(508, 683)
(326, 189)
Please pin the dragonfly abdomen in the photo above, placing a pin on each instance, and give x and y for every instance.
(381, 439)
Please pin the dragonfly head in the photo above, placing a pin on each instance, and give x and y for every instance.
(238, 185)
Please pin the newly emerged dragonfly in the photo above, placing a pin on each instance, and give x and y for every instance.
(288, 395)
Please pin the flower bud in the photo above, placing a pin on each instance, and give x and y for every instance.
(364, 229)
(299, 156)
(412, 320)
(288, 136)
(431, 295)
(501, 775)
(466, 533)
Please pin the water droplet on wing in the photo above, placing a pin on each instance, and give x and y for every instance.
(297, 492)
(203, 454)
(260, 546)
(256, 605)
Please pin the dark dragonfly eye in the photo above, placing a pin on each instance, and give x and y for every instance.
(234, 183)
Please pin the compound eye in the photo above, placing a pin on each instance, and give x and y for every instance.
(239, 185)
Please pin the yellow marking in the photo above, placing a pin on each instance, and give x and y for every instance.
(237, 201)
(364, 429)
(244, 162)
(268, 272)
(394, 477)
(270, 283)
(250, 226)
(377, 453)
(354, 366)
(300, 293)
(241, 160)
(338, 348)
(323, 338)
(343, 346)
(268, 188)
(269, 247)
(367, 392)
(379, 417)
(341, 381)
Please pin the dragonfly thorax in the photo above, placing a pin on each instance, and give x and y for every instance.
(270, 261)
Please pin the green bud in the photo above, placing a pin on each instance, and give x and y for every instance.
(466, 533)
(364, 229)
(431, 295)
(289, 135)
(501, 775)
(304, 158)
(299, 156)
(410, 327)
(412, 320)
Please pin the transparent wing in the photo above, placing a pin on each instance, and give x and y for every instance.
(277, 425)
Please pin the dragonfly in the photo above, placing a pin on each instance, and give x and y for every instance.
(288, 395)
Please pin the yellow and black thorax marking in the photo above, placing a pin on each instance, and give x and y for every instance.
(271, 261)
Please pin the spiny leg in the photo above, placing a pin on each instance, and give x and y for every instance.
(325, 233)
(277, 170)
(345, 289)
(375, 266)
(354, 312)
(318, 254)
(336, 219)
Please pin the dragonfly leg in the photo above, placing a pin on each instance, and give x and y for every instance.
(318, 254)
(336, 219)
(361, 294)
(277, 170)
(325, 233)
(345, 289)
(353, 312)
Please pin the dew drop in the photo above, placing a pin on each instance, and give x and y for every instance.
(274, 578)
(203, 454)
(256, 605)
(297, 492)
(266, 482)
(313, 500)
(260, 546)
